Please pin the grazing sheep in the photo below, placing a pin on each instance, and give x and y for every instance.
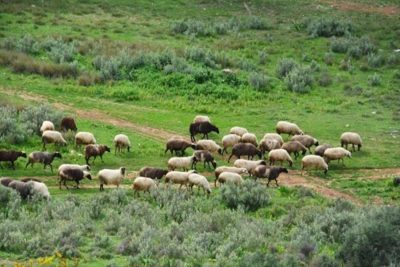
(319, 150)
(230, 176)
(287, 128)
(238, 131)
(201, 128)
(249, 138)
(74, 166)
(11, 155)
(5, 181)
(306, 140)
(272, 173)
(273, 136)
(152, 172)
(184, 163)
(351, 138)
(266, 145)
(120, 142)
(143, 184)
(68, 123)
(222, 169)
(38, 188)
(49, 137)
(229, 140)
(84, 138)
(47, 125)
(313, 161)
(176, 177)
(94, 151)
(203, 156)
(22, 188)
(176, 137)
(336, 153)
(209, 145)
(250, 165)
(27, 179)
(294, 147)
(178, 145)
(279, 155)
(76, 175)
(243, 149)
(109, 177)
(199, 181)
(200, 118)
(42, 157)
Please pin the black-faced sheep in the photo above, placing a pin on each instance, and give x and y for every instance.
(287, 128)
(229, 140)
(349, 138)
(152, 172)
(200, 181)
(201, 128)
(279, 155)
(84, 138)
(336, 153)
(203, 156)
(75, 175)
(143, 184)
(181, 178)
(306, 140)
(178, 145)
(47, 125)
(238, 130)
(230, 176)
(42, 157)
(111, 177)
(5, 181)
(11, 155)
(245, 149)
(120, 142)
(68, 123)
(313, 161)
(222, 169)
(250, 165)
(94, 151)
(209, 145)
(249, 138)
(184, 163)
(24, 189)
(272, 173)
(49, 137)
(319, 150)
(294, 147)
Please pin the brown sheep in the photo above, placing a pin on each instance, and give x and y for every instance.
(42, 157)
(94, 151)
(5, 181)
(245, 149)
(68, 123)
(11, 155)
(179, 145)
(203, 128)
(203, 156)
(319, 151)
(306, 140)
(271, 173)
(266, 145)
(295, 147)
(152, 172)
(73, 175)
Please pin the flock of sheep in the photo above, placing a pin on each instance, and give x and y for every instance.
(239, 139)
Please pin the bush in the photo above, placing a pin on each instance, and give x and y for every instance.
(27, 44)
(375, 61)
(258, 81)
(58, 50)
(325, 80)
(11, 131)
(300, 80)
(262, 57)
(328, 28)
(340, 45)
(329, 58)
(374, 80)
(393, 59)
(285, 66)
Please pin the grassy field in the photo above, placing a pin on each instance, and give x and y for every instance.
(146, 69)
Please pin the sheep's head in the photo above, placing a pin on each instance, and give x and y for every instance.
(263, 162)
(129, 148)
(107, 148)
(304, 151)
(214, 163)
(316, 143)
(220, 151)
(23, 154)
(57, 154)
(194, 146)
(88, 167)
(282, 169)
(348, 154)
(123, 170)
(87, 175)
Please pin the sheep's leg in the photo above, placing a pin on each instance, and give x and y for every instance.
(296, 155)
(198, 190)
(309, 149)
(101, 187)
(51, 167)
(230, 157)
(12, 165)
(94, 159)
(101, 157)
(65, 183)
(77, 184)
(302, 171)
(269, 180)
(276, 181)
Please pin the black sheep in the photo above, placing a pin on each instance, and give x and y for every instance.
(243, 149)
(5, 181)
(73, 175)
(204, 156)
(178, 145)
(271, 173)
(22, 188)
(202, 128)
(68, 123)
(11, 155)
(152, 172)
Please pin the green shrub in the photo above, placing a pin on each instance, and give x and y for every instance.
(328, 27)
(258, 81)
(325, 79)
(300, 80)
(262, 57)
(285, 66)
(11, 131)
(375, 61)
(355, 51)
(374, 80)
(247, 65)
(27, 44)
(58, 50)
(393, 59)
(340, 45)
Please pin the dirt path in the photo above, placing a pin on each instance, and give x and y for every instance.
(343, 5)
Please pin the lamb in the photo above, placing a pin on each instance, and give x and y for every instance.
(273, 136)
(94, 151)
(279, 155)
(200, 118)
(11, 155)
(248, 164)
(249, 138)
(230, 176)
(294, 147)
(47, 125)
(84, 138)
(287, 128)
(306, 140)
(241, 149)
(336, 153)
(42, 157)
(143, 184)
(176, 177)
(351, 138)
(203, 128)
(68, 123)
(238, 131)
(209, 145)
(203, 156)
(272, 173)
(152, 172)
(319, 151)
(109, 177)
(222, 169)
(177, 162)
(229, 141)
(38, 188)
(5, 181)
(199, 181)
(313, 161)
(49, 137)
(120, 142)
(68, 174)
(266, 145)
(22, 188)
(179, 145)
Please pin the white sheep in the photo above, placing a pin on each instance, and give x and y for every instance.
(109, 177)
(209, 145)
(273, 136)
(313, 161)
(351, 138)
(199, 181)
(249, 138)
(222, 169)
(121, 141)
(200, 118)
(287, 128)
(266, 145)
(336, 153)
(250, 165)
(49, 137)
(84, 138)
(306, 140)
(39, 189)
(47, 125)
(143, 184)
(279, 155)
(238, 130)
(230, 176)
(180, 162)
(230, 140)
(176, 177)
